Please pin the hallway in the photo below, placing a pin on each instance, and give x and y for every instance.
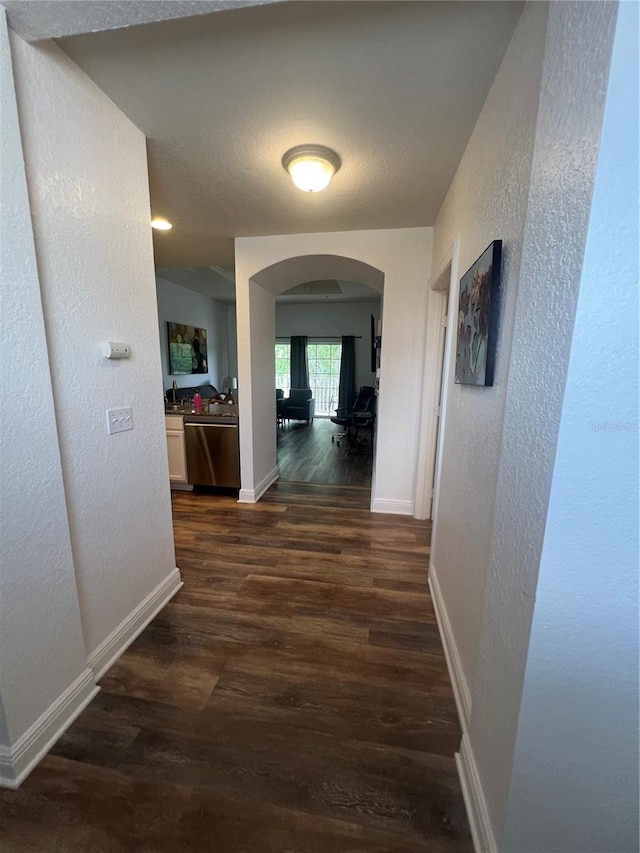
(293, 696)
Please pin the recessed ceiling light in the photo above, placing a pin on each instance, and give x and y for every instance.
(161, 224)
(311, 166)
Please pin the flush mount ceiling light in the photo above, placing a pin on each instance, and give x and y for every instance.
(161, 224)
(311, 166)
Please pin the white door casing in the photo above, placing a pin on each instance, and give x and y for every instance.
(441, 301)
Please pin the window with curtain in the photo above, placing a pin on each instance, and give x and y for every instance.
(324, 373)
(283, 367)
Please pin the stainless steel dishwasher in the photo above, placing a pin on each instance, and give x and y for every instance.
(213, 454)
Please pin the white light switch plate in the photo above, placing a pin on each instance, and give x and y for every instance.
(119, 420)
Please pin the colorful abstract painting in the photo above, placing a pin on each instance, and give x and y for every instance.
(477, 315)
(187, 349)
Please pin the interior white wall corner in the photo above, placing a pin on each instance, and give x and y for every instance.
(404, 256)
(530, 185)
(574, 785)
(487, 200)
(245, 422)
(87, 177)
(232, 337)
(41, 644)
(262, 388)
(576, 63)
(178, 304)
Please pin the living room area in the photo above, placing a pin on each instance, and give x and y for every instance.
(324, 355)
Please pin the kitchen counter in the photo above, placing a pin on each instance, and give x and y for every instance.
(214, 413)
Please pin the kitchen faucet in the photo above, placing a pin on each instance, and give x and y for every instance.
(175, 388)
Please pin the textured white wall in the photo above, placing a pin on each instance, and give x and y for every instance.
(336, 319)
(404, 256)
(256, 322)
(572, 93)
(263, 395)
(575, 781)
(180, 305)
(4, 730)
(499, 445)
(41, 644)
(232, 337)
(87, 179)
(487, 200)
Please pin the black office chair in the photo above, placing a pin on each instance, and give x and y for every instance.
(361, 414)
(342, 418)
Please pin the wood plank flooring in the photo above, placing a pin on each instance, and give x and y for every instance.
(292, 698)
(306, 454)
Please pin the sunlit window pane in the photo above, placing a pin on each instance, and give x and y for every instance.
(324, 373)
(283, 367)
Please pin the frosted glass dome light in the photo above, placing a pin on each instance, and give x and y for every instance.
(311, 166)
(161, 224)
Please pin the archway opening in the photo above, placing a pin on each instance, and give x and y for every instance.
(320, 297)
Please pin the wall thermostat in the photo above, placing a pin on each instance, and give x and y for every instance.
(114, 349)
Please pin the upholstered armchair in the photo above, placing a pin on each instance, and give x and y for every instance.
(298, 406)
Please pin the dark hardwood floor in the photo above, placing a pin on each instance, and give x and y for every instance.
(306, 454)
(292, 698)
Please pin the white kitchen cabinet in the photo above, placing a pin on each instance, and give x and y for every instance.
(174, 427)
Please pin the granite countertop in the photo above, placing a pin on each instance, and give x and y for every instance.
(210, 413)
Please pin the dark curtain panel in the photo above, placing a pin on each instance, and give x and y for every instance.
(347, 388)
(373, 344)
(299, 364)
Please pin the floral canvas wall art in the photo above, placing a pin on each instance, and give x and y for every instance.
(477, 318)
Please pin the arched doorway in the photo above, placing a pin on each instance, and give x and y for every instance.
(395, 263)
(311, 318)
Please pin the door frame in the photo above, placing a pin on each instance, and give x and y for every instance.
(437, 368)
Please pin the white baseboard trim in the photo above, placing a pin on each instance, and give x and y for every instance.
(475, 803)
(19, 760)
(121, 638)
(483, 838)
(392, 507)
(252, 496)
(454, 664)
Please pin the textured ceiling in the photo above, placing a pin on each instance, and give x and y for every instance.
(202, 280)
(40, 19)
(394, 87)
(211, 283)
